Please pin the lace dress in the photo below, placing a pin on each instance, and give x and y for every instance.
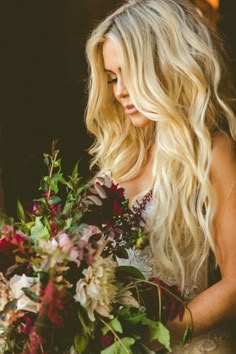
(221, 340)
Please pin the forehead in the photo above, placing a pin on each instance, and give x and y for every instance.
(111, 55)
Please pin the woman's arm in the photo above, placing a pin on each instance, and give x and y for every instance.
(217, 303)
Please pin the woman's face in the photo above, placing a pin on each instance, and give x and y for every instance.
(112, 65)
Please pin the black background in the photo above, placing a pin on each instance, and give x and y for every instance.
(43, 73)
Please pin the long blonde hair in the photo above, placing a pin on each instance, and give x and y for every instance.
(172, 70)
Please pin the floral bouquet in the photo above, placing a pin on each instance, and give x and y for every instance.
(62, 289)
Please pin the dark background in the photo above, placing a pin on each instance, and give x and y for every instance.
(43, 74)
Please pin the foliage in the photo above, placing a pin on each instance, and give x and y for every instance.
(62, 290)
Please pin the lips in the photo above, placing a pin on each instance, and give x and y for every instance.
(130, 109)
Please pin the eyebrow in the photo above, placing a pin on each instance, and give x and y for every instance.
(112, 72)
(109, 71)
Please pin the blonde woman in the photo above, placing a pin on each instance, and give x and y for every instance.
(159, 109)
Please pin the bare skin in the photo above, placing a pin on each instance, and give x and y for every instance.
(216, 304)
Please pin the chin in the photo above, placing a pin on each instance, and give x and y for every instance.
(140, 121)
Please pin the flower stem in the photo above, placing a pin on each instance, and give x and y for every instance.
(115, 335)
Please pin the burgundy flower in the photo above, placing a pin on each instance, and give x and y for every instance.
(171, 304)
(55, 304)
(36, 343)
(7, 257)
(54, 227)
(117, 208)
(56, 208)
(110, 208)
(27, 324)
(107, 339)
(6, 246)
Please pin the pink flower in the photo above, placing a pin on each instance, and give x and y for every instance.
(65, 242)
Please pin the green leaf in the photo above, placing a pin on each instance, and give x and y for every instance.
(158, 332)
(81, 342)
(121, 346)
(131, 315)
(85, 331)
(82, 188)
(10, 306)
(31, 295)
(75, 171)
(54, 200)
(141, 239)
(21, 260)
(68, 223)
(87, 328)
(20, 211)
(54, 183)
(67, 208)
(115, 325)
(187, 336)
(129, 271)
(39, 232)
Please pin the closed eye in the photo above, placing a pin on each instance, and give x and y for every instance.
(112, 81)
(111, 77)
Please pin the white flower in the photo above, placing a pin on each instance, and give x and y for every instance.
(97, 291)
(125, 297)
(138, 258)
(48, 246)
(18, 282)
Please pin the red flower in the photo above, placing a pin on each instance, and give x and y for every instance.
(7, 257)
(6, 246)
(107, 340)
(111, 207)
(27, 324)
(171, 304)
(55, 304)
(55, 318)
(36, 343)
(117, 208)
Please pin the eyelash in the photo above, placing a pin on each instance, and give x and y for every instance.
(112, 81)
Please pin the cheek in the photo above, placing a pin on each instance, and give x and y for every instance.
(115, 93)
(114, 90)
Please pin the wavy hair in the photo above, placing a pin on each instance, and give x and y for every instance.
(172, 68)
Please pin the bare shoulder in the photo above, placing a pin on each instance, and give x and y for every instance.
(223, 157)
(223, 178)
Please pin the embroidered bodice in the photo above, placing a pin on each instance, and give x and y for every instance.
(217, 341)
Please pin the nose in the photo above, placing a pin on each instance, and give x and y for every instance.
(120, 89)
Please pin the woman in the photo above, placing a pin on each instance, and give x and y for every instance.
(160, 111)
